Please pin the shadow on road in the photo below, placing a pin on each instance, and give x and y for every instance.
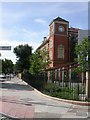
(15, 86)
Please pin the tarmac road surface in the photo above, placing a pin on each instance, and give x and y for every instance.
(19, 100)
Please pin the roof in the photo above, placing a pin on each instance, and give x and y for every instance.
(73, 30)
(43, 43)
(59, 19)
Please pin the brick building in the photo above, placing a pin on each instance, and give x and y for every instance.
(60, 43)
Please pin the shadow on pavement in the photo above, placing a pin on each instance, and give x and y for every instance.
(16, 86)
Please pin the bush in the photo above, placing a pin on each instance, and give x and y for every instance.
(36, 81)
(74, 76)
(61, 92)
(51, 87)
(82, 89)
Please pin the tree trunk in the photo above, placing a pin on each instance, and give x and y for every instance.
(82, 77)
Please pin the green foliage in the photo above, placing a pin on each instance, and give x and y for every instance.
(81, 51)
(7, 66)
(37, 81)
(74, 76)
(51, 87)
(23, 53)
(73, 40)
(38, 62)
(0, 66)
(61, 92)
(82, 89)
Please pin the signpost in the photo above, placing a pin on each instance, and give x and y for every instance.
(3, 48)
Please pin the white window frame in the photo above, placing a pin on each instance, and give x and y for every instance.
(60, 51)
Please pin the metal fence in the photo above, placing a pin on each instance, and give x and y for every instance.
(65, 85)
(70, 86)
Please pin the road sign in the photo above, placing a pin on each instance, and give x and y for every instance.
(5, 47)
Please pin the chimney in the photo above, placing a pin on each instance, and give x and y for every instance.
(45, 38)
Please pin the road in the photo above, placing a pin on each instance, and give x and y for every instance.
(19, 100)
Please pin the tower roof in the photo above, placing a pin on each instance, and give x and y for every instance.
(59, 19)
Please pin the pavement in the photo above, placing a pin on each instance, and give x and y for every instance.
(19, 100)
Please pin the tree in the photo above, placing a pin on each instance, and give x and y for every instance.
(38, 61)
(23, 53)
(81, 50)
(7, 66)
(73, 40)
(83, 58)
(0, 66)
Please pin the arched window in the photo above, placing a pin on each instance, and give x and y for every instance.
(60, 51)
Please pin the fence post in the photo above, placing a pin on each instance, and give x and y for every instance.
(59, 75)
(88, 84)
(63, 77)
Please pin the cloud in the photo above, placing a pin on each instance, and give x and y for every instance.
(41, 21)
(44, 1)
(14, 12)
(19, 12)
(28, 22)
(17, 36)
(13, 43)
(29, 33)
(42, 9)
(34, 35)
(8, 53)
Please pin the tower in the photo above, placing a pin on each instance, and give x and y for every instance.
(58, 42)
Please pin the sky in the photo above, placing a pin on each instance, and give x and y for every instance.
(28, 22)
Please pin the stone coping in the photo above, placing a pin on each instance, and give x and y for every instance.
(82, 103)
(63, 100)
